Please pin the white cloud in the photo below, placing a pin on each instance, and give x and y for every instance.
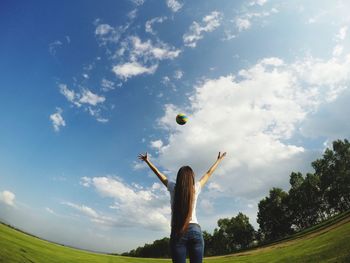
(132, 14)
(252, 116)
(49, 210)
(88, 211)
(69, 94)
(178, 74)
(140, 54)
(138, 2)
(90, 98)
(96, 112)
(8, 198)
(106, 34)
(57, 119)
(103, 29)
(131, 69)
(244, 21)
(258, 2)
(54, 46)
(107, 85)
(85, 181)
(209, 24)
(156, 144)
(86, 98)
(273, 61)
(338, 50)
(342, 33)
(329, 73)
(242, 24)
(149, 24)
(331, 121)
(148, 51)
(174, 5)
(134, 203)
(212, 186)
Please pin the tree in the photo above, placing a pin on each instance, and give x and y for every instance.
(305, 201)
(220, 242)
(208, 244)
(333, 170)
(239, 233)
(273, 216)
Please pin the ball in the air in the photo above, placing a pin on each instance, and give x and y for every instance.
(181, 119)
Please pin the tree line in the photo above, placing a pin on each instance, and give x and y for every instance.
(311, 199)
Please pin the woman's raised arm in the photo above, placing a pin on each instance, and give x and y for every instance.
(206, 176)
(162, 177)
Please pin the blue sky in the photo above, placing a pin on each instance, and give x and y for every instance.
(86, 86)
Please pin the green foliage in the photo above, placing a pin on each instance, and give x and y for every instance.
(334, 172)
(238, 231)
(305, 201)
(273, 216)
(158, 249)
(311, 199)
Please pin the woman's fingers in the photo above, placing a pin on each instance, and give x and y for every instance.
(221, 155)
(142, 157)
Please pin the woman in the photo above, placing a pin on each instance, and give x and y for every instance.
(186, 233)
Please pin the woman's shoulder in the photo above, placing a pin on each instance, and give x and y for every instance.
(197, 187)
(171, 185)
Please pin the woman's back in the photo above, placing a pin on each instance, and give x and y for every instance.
(186, 234)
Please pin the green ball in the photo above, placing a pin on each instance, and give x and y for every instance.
(181, 119)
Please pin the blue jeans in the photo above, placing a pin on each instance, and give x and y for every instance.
(191, 241)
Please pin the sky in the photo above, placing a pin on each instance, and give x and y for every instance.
(85, 86)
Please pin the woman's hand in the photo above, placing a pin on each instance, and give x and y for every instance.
(162, 177)
(143, 157)
(221, 156)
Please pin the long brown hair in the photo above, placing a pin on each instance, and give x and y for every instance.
(183, 199)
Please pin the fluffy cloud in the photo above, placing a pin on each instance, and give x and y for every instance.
(107, 85)
(244, 21)
(339, 38)
(342, 33)
(91, 98)
(106, 34)
(140, 54)
(85, 97)
(88, 211)
(178, 74)
(242, 24)
(138, 2)
(258, 2)
(253, 116)
(8, 198)
(133, 203)
(90, 101)
(57, 119)
(331, 121)
(149, 24)
(148, 51)
(131, 69)
(156, 144)
(209, 24)
(174, 5)
(54, 46)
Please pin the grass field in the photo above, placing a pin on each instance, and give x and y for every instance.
(327, 243)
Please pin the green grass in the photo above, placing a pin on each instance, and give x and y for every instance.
(328, 242)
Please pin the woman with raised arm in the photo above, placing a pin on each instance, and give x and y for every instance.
(186, 233)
